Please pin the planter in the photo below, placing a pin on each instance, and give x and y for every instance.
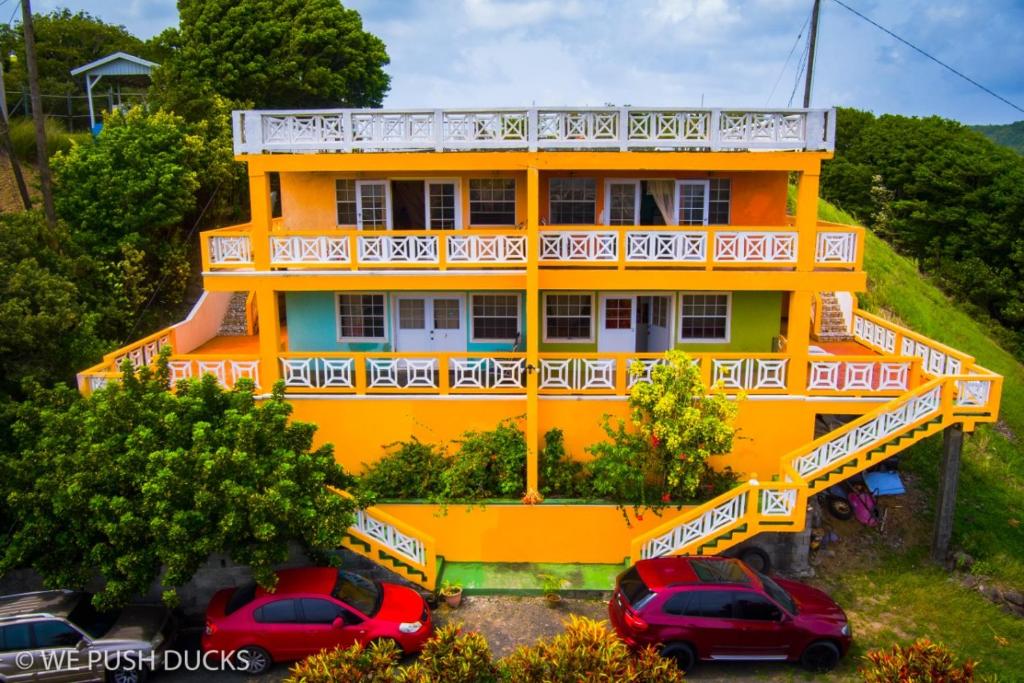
(453, 598)
(553, 599)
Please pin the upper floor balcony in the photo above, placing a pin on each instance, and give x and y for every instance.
(533, 129)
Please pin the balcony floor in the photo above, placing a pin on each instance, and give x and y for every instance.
(226, 346)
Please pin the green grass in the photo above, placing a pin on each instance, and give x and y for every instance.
(23, 138)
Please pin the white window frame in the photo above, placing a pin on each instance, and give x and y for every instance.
(469, 203)
(551, 219)
(606, 213)
(472, 319)
(346, 226)
(427, 182)
(351, 340)
(728, 318)
(575, 340)
(387, 203)
(707, 201)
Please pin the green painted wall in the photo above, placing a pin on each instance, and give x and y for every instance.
(756, 319)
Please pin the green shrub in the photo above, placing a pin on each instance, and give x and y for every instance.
(412, 469)
(560, 476)
(376, 663)
(453, 656)
(587, 651)
(23, 138)
(921, 662)
(488, 464)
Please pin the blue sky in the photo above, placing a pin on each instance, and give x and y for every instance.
(676, 52)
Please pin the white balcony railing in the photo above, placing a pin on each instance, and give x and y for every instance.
(621, 128)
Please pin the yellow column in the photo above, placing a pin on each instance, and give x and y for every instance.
(270, 335)
(260, 210)
(533, 323)
(798, 338)
(807, 218)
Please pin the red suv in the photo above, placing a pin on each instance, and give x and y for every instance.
(312, 610)
(717, 608)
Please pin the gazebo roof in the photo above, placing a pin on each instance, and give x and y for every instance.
(116, 64)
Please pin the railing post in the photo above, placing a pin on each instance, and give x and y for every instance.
(259, 233)
(807, 220)
(798, 337)
(623, 132)
(715, 130)
(533, 323)
(347, 133)
(531, 129)
(438, 130)
(269, 337)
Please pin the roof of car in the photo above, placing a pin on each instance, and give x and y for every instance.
(668, 571)
(59, 603)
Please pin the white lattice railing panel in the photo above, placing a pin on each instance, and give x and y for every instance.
(975, 392)
(836, 247)
(777, 502)
(582, 245)
(303, 249)
(761, 127)
(233, 250)
(226, 372)
(390, 249)
(577, 374)
(388, 535)
(318, 373)
(487, 373)
(936, 359)
(750, 373)
(402, 373)
(867, 376)
(144, 353)
(482, 129)
(485, 249)
(876, 335)
(700, 529)
(756, 247)
(652, 246)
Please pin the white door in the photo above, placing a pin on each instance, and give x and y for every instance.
(692, 198)
(622, 202)
(373, 205)
(443, 205)
(617, 320)
(430, 323)
(659, 331)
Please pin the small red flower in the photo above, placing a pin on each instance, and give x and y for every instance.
(639, 518)
(682, 456)
(666, 498)
(655, 441)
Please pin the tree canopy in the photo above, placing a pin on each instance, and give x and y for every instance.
(275, 53)
(137, 478)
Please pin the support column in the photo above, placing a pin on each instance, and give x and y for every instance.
(798, 338)
(945, 502)
(270, 336)
(533, 323)
(260, 211)
(807, 218)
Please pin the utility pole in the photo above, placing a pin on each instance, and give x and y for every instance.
(809, 77)
(5, 140)
(38, 117)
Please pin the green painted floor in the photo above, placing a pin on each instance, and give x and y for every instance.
(527, 578)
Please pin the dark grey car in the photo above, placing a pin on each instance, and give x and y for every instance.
(59, 637)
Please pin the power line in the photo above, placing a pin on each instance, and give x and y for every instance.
(788, 57)
(800, 72)
(934, 59)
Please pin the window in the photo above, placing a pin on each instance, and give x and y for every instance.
(756, 607)
(704, 317)
(55, 633)
(677, 604)
(492, 201)
(358, 591)
(659, 313)
(710, 604)
(633, 588)
(777, 593)
(568, 317)
(411, 314)
(442, 206)
(274, 180)
(317, 611)
(618, 314)
(718, 204)
(373, 205)
(15, 637)
(622, 203)
(495, 317)
(692, 202)
(242, 596)
(345, 195)
(572, 201)
(277, 612)
(361, 316)
(446, 314)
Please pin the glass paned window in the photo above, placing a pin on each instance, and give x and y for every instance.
(495, 316)
(568, 316)
(705, 316)
(345, 195)
(622, 204)
(411, 314)
(718, 204)
(446, 314)
(618, 314)
(659, 314)
(492, 201)
(277, 612)
(573, 201)
(361, 316)
(373, 198)
(442, 206)
(691, 203)
(274, 180)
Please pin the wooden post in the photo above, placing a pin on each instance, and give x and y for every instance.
(945, 502)
(38, 115)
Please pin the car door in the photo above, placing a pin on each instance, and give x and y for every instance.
(279, 630)
(766, 635)
(64, 662)
(19, 663)
(318, 619)
(711, 616)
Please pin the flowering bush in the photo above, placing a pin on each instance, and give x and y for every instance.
(376, 663)
(452, 656)
(921, 662)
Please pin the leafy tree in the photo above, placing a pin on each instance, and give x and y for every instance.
(47, 331)
(275, 53)
(1009, 135)
(136, 478)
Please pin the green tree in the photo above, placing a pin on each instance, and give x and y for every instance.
(136, 478)
(275, 53)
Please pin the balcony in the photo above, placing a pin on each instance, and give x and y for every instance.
(533, 129)
(836, 247)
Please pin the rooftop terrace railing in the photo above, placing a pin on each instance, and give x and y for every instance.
(585, 128)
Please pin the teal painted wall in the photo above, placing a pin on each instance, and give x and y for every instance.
(313, 324)
(756, 320)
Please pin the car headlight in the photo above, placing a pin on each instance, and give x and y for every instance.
(410, 626)
(845, 630)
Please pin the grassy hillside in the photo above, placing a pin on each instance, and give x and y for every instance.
(1009, 135)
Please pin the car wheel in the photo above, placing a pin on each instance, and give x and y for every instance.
(683, 654)
(253, 660)
(133, 674)
(820, 656)
(840, 508)
(756, 559)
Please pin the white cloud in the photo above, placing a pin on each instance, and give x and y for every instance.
(504, 14)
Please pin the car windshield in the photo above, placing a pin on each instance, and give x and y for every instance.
(359, 592)
(777, 593)
(91, 621)
(242, 596)
(634, 589)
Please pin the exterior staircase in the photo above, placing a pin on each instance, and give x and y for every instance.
(832, 325)
(236, 318)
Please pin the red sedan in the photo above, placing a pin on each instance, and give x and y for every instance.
(311, 610)
(717, 608)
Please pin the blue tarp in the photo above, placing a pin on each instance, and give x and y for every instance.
(884, 483)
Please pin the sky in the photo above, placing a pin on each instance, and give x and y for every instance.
(492, 53)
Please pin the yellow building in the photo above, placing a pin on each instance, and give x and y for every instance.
(421, 273)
